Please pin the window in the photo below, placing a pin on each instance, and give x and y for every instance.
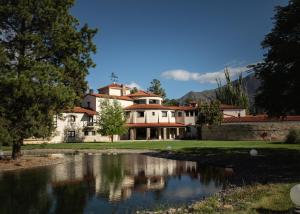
(187, 113)
(127, 114)
(55, 121)
(173, 113)
(164, 113)
(72, 118)
(153, 101)
(153, 113)
(140, 101)
(196, 113)
(179, 114)
(140, 114)
(89, 104)
(93, 132)
(86, 133)
(71, 134)
(192, 113)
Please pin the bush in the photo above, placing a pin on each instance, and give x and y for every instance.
(293, 137)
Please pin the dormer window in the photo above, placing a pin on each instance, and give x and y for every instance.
(72, 118)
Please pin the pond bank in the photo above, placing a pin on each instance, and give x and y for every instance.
(268, 198)
(269, 166)
(27, 161)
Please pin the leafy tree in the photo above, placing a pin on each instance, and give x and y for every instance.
(44, 59)
(171, 102)
(134, 90)
(111, 119)
(279, 71)
(155, 87)
(209, 114)
(232, 93)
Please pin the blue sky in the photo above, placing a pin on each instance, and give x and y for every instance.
(184, 43)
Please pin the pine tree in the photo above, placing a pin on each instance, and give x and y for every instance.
(44, 59)
(280, 70)
(134, 90)
(156, 88)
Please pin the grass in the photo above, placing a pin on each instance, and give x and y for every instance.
(165, 145)
(269, 198)
(254, 199)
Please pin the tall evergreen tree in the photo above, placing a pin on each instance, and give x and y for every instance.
(44, 59)
(134, 90)
(232, 93)
(280, 70)
(156, 88)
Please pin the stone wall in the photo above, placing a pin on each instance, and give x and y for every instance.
(276, 131)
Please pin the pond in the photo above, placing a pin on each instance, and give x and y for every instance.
(102, 183)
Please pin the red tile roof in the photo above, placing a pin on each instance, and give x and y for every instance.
(113, 85)
(131, 125)
(259, 118)
(83, 110)
(147, 106)
(225, 106)
(111, 97)
(183, 108)
(157, 106)
(141, 93)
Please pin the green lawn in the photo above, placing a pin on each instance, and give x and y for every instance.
(254, 199)
(166, 145)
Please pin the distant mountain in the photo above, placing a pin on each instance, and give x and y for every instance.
(251, 84)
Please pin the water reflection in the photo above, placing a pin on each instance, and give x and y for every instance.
(107, 183)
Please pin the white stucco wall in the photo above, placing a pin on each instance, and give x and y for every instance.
(92, 100)
(149, 117)
(234, 112)
(115, 92)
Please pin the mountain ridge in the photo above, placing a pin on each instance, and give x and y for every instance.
(251, 84)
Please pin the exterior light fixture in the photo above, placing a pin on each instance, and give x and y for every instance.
(295, 197)
(253, 152)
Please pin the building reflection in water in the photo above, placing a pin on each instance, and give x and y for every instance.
(116, 177)
(107, 184)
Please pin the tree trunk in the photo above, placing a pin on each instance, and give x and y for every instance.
(112, 138)
(200, 132)
(16, 150)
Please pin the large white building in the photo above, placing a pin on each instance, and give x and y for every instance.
(147, 118)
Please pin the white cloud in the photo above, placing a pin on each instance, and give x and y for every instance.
(208, 77)
(134, 84)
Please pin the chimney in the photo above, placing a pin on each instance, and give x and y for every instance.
(123, 90)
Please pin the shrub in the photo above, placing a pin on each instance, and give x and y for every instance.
(293, 137)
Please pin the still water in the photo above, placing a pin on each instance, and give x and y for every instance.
(107, 184)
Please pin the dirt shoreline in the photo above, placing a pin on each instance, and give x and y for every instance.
(28, 162)
(34, 158)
